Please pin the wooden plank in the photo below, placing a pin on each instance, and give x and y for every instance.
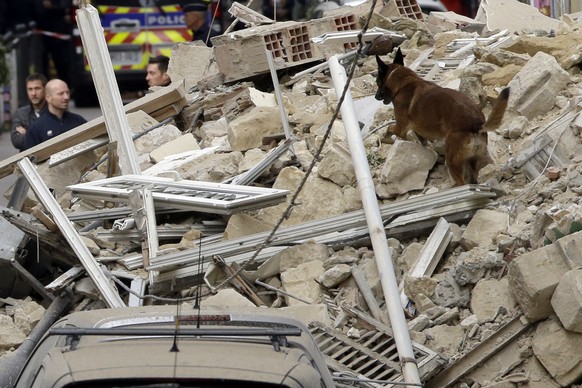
(152, 103)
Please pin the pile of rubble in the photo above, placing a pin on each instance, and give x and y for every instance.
(489, 273)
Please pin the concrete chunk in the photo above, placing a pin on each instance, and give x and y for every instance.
(571, 249)
(181, 144)
(191, 62)
(559, 351)
(488, 296)
(533, 277)
(301, 283)
(535, 87)
(407, 166)
(567, 300)
(483, 228)
(514, 16)
(246, 132)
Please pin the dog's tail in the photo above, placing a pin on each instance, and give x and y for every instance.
(496, 116)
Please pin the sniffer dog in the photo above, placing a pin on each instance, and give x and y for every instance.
(434, 112)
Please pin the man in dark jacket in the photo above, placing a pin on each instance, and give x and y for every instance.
(26, 115)
(57, 119)
(195, 14)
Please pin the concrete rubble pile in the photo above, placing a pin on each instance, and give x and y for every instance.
(490, 274)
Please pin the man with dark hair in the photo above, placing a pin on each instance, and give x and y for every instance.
(157, 71)
(26, 115)
(195, 13)
(57, 119)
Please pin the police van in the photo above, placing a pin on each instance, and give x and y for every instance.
(135, 31)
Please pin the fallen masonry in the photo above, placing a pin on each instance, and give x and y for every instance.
(249, 196)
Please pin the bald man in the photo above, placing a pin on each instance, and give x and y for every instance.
(57, 119)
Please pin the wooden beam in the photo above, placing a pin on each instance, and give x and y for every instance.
(154, 104)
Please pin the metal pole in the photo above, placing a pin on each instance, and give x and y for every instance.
(375, 226)
(94, 269)
(278, 95)
(107, 88)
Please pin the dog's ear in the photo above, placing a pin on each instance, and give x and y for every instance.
(399, 58)
(381, 65)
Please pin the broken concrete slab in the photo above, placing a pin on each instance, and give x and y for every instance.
(533, 278)
(191, 62)
(247, 131)
(241, 54)
(570, 247)
(488, 296)
(535, 86)
(10, 334)
(483, 228)
(333, 276)
(567, 300)
(335, 166)
(406, 167)
(181, 144)
(515, 16)
(300, 282)
(559, 351)
(445, 339)
(319, 199)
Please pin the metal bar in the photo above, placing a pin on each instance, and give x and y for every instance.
(375, 225)
(182, 331)
(34, 283)
(18, 195)
(138, 286)
(109, 213)
(480, 353)
(43, 194)
(278, 94)
(252, 174)
(342, 222)
(189, 195)
(429, 256)
(106, 86)
(163, 232)
(243, 252)
(364, 287)
(142, 203)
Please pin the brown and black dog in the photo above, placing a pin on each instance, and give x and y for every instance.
(434, 112)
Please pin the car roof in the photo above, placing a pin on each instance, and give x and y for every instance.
(211, 344)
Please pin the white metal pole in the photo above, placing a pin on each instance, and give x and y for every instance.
(375, 226)
(278, 94)
(107, 88)
(94, 269)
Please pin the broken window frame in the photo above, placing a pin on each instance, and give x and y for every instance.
(118, 189)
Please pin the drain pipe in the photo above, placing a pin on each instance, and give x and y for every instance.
(11, 366)
(375, 226)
